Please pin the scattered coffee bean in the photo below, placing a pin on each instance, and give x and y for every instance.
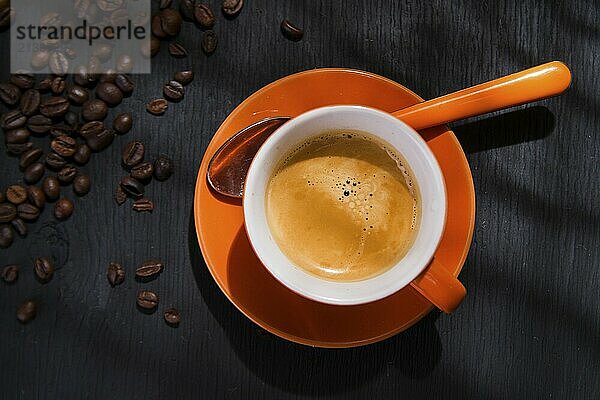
(184, 77)
(36, 196)
(58, 63)
(44, 85)
(143, 204)
(209, 42)
(10, 273)
(43, 268)
(16, 194)
(53, 107)
(133, 153)
(187, 9)
(163, 168)
(177, 50)
(291, 31)
(101, 140)
(147, 300)
(165, 4)
(23, 81)
(109, 93)
(40, 59)
(143, 171)
(91, 128)
(204, 15)
(174, 91)
(124, 63)
(61, 129)
(20, 135)
(153, 48)
(109, 76)
(94, 110)
(54, 161)
(78, 95)
(157, 106)
(120, 195)
(124, 83)
(67, 174)
(149, 269)
(81, 185)
(83, 77)
(231, 8)
(12, 120)
(19, 226)
(58, 85)
(39, 124)
(18, 148)
(29, 157)
(28, 212)
(170, 21)
(9, 94)
(27, 311)
(6, 236)
(72, 119)
(82, 154)
(122, 123)
(8, 212)
(115, 274)
(103, 51)
(132, 187)
(63, 209)
(30, 102)
(156, 27)
(34, 173)
(51, 187)
(64, 146)
(172, 317)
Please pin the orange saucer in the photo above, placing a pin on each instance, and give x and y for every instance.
(250, 287)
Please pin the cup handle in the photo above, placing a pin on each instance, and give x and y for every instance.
(440, 287)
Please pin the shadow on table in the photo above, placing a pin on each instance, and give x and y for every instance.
(303, 369)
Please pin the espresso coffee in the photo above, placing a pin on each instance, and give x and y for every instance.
(343, 206)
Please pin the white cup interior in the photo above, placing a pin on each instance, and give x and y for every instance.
(426, 172)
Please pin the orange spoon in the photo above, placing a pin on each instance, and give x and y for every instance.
(228, 167)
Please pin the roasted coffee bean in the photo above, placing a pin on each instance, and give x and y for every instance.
(34, 173)
(55, 161)
(115, 274)
(133, 153)
(78, 95)
(18, 148)
(109, 76)
(7, 236)
(124, 83)
(157, 106)
(174, 91)
(9, 93)
(82, 154)
(20, 135)
(109, 5)
(70, 53)
(58, 63)
(67, 174)
(209, 42)
(124, 64)
(81, 185)
(51, 187)
(29, 157)
(83, 77)
(10, 273)
(44, 85)
(163, 168)
(23, 81)
(12, 120)
(120, 195)
(40, 59)
(142, 172)
(8, 212)
(43, 268)
(19, 226)
(94, 67)
(204, 15)
(143, 204)
(170, 21)
(36, 196)
(122, 123)
(58, 85)
(184, 77)
(72, 119)
(101, 140)
(64, 146)
(177, 50)
(149, 269)
(28, 212)
(165, 4)
(109, 93)
(61, 130)
(16, 194)
(156, 27)
(54, 107)
(6, 14)
(91, 128)
(132, 187)
(30, 102)
(187, 9)
(27, 311)
(231, 8)
(103, 51)
(94, 110)
(151, 49)
(63, 209)
(172, 316)
(291, 31)
(147, 300)
(39, 124)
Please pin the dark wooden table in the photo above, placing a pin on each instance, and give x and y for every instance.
(530, 326)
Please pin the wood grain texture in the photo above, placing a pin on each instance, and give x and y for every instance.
(529, 326)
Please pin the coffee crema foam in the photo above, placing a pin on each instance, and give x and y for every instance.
(343, 206)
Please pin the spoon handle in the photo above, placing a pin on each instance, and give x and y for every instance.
(532, 84)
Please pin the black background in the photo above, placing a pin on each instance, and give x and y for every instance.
(530, 325)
